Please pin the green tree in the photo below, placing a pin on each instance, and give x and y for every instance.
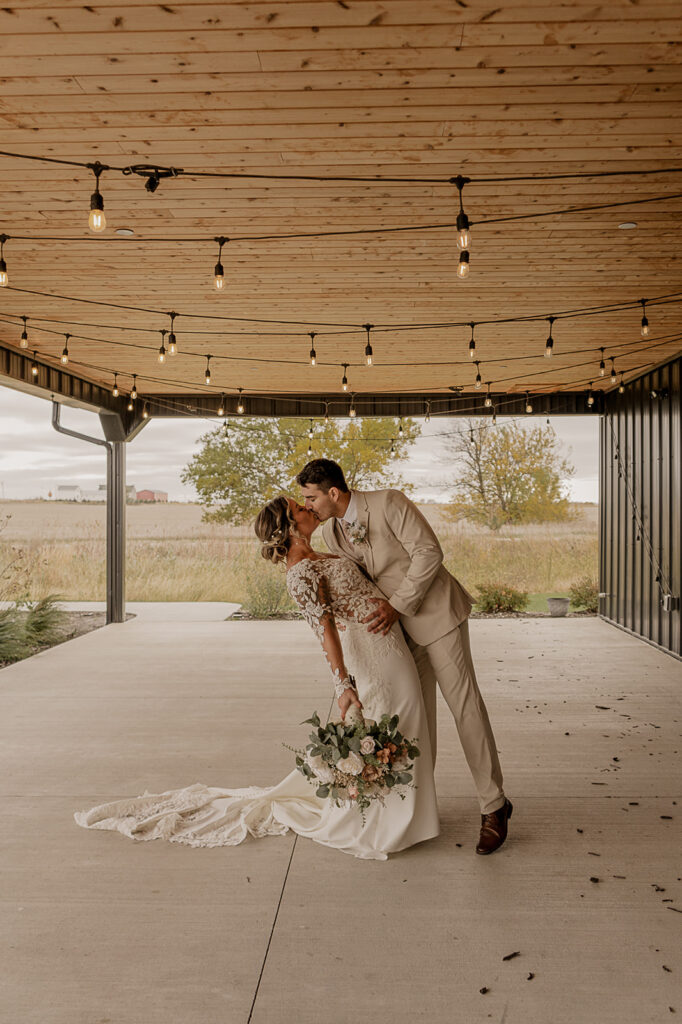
(508, 474)
(249, 460)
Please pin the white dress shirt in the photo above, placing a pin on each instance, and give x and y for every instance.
(351, 512)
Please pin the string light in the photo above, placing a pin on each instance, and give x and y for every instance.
(645, 322)
(310, 431)
(529, 404)
(162, 347)
(614, 378)
(400, 427)
(463, 265)
(352, 411)
(494, 419)
(24, 335)
(114, 390)
(344, 380)
(221, 407)
(590, 397)
(621, 386)
(463, 235)
(368, 346)
(219, 272)
(488, 400)
(602, 364)
(472, 343)
(4, 278)
(310, 450)
(131, 403)
(172, 341)
(96, 221)
(207, 374)
(34, 366)
(326, 413)
(313, 353)
(145, 411)
(133, 390)
(392, 446)
(478, 381)
(427, 417)
(549, 344)
(65, 350)
(240, 403)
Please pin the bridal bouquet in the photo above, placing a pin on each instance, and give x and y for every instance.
(357, 761)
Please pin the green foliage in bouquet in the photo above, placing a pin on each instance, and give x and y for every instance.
(357, 763)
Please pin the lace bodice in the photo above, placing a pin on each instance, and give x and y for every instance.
(331, 585)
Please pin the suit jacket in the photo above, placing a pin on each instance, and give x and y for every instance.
(402, 555)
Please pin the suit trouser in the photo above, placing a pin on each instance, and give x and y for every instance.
(448, 661)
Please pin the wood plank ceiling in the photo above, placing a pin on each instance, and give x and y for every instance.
(400, 88)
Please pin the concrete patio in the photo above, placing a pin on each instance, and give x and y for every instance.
(97, 929)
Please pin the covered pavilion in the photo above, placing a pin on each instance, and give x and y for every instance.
(421, 193)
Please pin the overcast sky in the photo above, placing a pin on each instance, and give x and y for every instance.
(34, 459)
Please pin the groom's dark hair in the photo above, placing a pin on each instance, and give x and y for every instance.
(324, 474)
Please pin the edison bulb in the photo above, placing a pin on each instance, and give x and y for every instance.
(463, 238)
(463, 265)
(4, 279)
(97, 221)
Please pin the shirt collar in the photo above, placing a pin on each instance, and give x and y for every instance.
(351, 512)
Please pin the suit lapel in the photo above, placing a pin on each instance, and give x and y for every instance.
(336, 538)
(363, 519)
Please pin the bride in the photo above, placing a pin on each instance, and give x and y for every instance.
(373, 671)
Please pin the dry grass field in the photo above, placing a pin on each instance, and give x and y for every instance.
(174, 556)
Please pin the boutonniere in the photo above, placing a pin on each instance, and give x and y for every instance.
(357, 532)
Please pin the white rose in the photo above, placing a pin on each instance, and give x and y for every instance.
(352, 765)
(368, 745)
(320, 767)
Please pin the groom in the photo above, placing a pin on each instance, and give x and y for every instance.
(388, 536)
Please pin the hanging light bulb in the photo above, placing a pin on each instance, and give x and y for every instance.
(310, 431)
(114, 390)
(96, 221)
(488, 399)
(240, 403)
(133, 390)
(23, 343)
(368, 346)
(463, 266)
(172, 341)
(494, 417)
(352, 411)
(478, 381)
(645, 322)
(65, 350)
(392, 446)
(162, 347)
(310, 451)
(145, 411)
(621, 386)
(4, 279)
(313, 353)
(221, 407)
(614, 378)
(131, 403)
(463, 234)
(472, 343)
(326, 413)
(207, 372)
(34, 366)
(344, 380)
(219, 279)
(590, 397)
(549, 344)
(602, 364)
(529, 404)
(427, 417)
(400, 427)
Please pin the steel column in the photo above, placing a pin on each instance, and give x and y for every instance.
(116, 531)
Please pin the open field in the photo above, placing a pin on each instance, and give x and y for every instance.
(174, 556)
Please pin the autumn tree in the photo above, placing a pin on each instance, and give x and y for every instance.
(508, 474)
(249, 460)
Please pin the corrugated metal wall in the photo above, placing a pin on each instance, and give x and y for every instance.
(640, 491)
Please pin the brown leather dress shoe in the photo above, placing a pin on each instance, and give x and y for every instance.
(494, 828)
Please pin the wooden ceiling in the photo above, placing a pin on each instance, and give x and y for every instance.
(401, 89)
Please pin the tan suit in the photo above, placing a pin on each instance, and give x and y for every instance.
(401, 553)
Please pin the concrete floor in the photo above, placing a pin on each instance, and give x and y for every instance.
(96, 928)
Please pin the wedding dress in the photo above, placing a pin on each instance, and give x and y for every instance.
(328, 590)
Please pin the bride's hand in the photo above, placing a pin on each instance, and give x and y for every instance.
(347, 698)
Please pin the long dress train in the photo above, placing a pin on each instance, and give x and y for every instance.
(328, 590)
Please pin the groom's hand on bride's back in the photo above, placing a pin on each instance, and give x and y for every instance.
(382, 618)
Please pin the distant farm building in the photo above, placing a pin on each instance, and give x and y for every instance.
(74, 492)
(152, 496)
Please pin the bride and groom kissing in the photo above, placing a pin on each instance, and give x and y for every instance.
(393, 624)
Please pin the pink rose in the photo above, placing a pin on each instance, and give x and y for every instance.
(353, 791)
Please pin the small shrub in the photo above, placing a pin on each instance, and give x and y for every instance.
(13, 643)
(45, 621)
(266, 590)
(498, 597)
(584, 594)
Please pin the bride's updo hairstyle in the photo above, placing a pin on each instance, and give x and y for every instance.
(274, 526)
